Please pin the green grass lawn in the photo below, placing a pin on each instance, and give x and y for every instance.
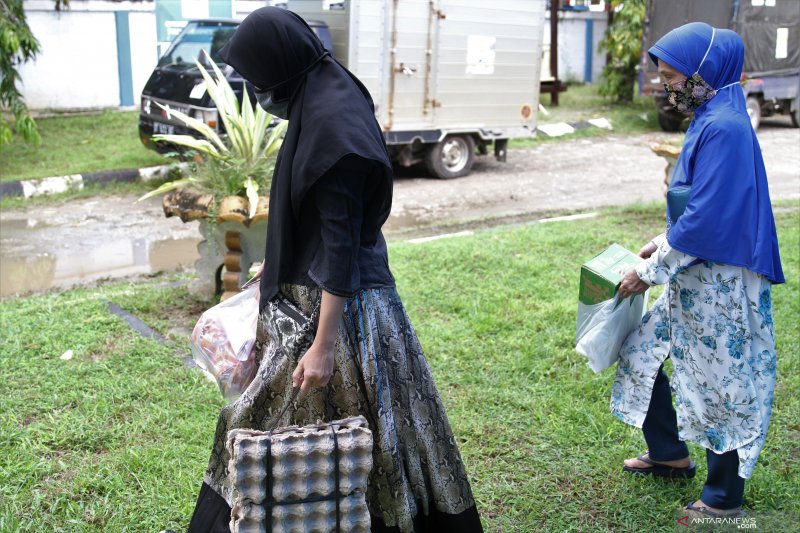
(117, 438)
(78, 144)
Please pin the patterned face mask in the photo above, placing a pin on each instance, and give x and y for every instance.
(689, 94)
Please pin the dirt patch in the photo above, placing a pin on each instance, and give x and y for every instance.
(110, 347)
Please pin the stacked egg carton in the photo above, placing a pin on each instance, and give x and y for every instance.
(303, 467)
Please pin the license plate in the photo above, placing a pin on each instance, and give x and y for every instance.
(165, 129)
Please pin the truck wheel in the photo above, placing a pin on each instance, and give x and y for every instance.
(453, 157)
(668, 123)
(754, 112)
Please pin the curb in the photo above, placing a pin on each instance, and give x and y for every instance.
(56, 184)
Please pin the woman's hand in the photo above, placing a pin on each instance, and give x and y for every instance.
(647, 250)
(315, 367)
(255, 280)
(632, 284)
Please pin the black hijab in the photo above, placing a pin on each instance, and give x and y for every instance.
(330, 116)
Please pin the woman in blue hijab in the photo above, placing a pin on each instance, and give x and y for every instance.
(718, 260)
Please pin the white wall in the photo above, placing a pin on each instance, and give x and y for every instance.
(77, 65)
(572, 44)
(144, 49)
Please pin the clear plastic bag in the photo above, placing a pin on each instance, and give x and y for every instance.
(224, 342)
(603, 327)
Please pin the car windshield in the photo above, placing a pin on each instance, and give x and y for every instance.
(197, 36)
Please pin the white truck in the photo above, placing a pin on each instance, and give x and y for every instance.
(450, 78)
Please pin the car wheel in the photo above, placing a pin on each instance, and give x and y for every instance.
(453, 157)
(668, 123)
(754, 112)
(795, 118)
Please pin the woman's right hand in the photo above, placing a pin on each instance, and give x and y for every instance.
(631, 284)
(647, 250)
(315, 367)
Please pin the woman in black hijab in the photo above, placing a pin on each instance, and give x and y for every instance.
(331, 193)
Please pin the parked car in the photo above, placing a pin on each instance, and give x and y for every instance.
(771, 34)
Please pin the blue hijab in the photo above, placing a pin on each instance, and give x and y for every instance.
(728, 218)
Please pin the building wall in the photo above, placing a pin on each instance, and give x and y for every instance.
(77, 63)
(93, 55)
(574, 27)
(144, 50)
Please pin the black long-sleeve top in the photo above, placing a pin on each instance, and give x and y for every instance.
(338, 244)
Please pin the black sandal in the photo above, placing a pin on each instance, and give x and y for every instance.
(662, 470)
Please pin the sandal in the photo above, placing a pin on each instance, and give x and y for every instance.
(699, 511)
(662, 470)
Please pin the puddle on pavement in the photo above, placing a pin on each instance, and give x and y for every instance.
(19, 224)
(81, 241)
(22, 274)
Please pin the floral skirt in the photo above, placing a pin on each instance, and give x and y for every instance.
(714, 322)
(379, 372)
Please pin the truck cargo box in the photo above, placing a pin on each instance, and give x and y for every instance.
(448, 77)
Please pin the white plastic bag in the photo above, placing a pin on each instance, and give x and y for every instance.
(223, 342)
(603, 327)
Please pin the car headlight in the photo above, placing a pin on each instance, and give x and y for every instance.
(146, 104)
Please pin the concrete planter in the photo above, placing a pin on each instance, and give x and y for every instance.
(230, 243)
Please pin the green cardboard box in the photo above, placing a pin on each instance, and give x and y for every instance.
(601, 275)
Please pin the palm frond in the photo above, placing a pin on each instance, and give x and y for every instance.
(201, 145)
(251, 189)
(197, 125)
(166, 187)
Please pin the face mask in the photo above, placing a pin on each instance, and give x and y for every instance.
(689, 94)
(280, 108)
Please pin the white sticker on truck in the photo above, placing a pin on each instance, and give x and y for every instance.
(782, 43)
(480, 54)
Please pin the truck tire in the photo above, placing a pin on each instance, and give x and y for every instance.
(754, 111)
(453, 157)
(668, 123)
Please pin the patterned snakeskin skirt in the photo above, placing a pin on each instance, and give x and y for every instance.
(379, 372)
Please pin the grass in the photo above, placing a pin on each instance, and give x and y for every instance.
(117, 438)
(78, 144)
